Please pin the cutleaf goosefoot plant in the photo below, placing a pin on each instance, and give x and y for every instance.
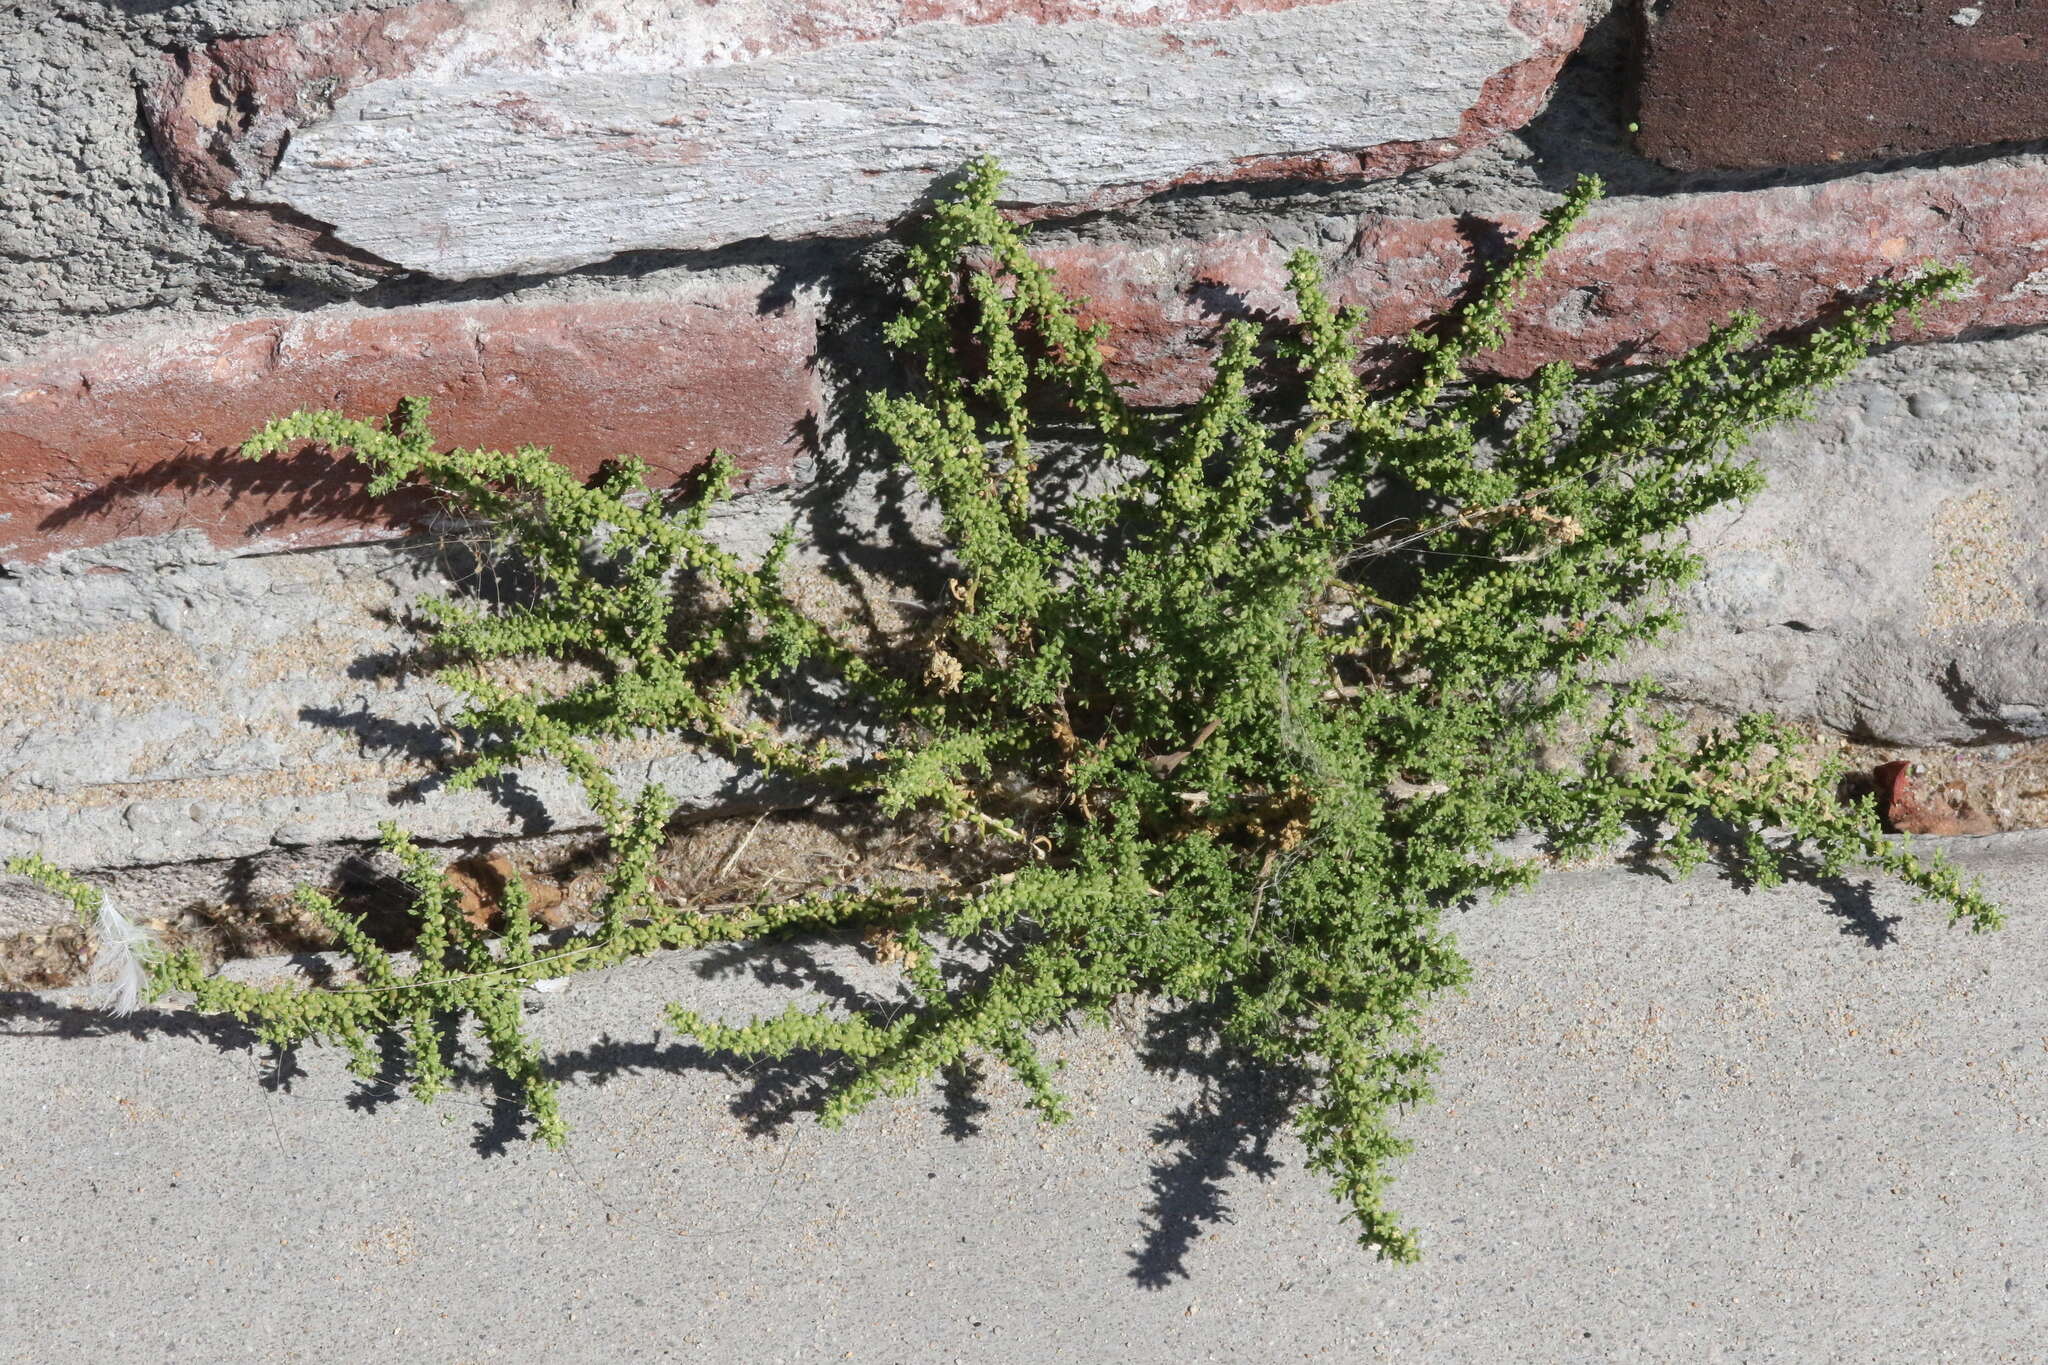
(1274, 695)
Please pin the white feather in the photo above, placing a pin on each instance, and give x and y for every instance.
(118, 970)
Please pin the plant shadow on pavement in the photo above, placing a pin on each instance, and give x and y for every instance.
(1850, 899)
(1223, 1131)
(1225, 1128)
(32, 1014)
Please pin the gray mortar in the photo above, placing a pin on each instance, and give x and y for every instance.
(1891, 582)
(252, 716)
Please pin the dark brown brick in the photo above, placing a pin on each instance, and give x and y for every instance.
(1730, 84)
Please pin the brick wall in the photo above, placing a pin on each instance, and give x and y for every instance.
(651, 226)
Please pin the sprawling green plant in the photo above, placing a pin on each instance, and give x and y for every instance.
(1238, 724)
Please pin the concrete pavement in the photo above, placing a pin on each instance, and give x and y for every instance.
(1675, 1122)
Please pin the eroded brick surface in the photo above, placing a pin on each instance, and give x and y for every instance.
(1745, 83)
(1639, 281)
(486, 138)
(139, 439)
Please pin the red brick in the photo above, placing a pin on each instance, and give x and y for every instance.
(139, 438)
(1639, 281)
(1727, 84)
